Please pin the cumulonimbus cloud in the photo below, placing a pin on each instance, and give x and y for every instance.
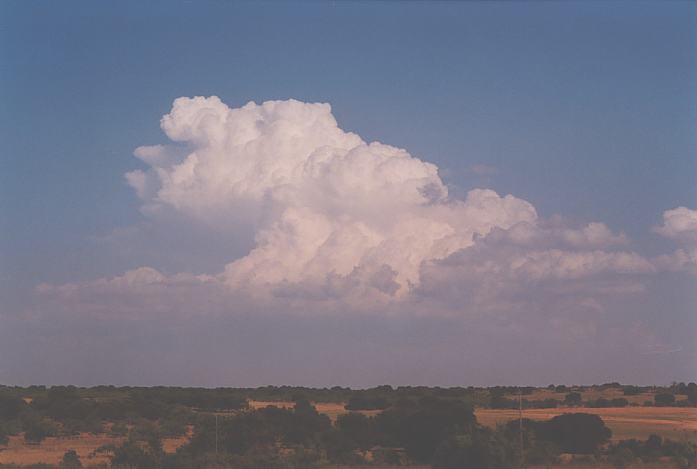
(336, 213)
(342, 225)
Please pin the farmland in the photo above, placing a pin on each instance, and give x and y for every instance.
(679, 423)
(379, 428)
(625, 423)
(52, 449)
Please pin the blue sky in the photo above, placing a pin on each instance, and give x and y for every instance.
(585, 110)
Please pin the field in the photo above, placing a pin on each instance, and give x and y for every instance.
(51, 450)
(633, 421)
(679, 423)
(587, 394)
(330, 409)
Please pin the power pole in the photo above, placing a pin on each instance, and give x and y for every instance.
(216, 433)
(520, 424)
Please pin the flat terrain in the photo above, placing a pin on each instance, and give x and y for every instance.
(330, 409)
(678, 423)
(51, 450)
(591, 394)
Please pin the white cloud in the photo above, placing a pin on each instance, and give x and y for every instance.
(679, 224)
(326, 203)
(341, 224)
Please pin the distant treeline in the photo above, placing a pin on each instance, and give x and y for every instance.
(670, 396)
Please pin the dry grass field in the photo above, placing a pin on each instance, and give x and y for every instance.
(678, 423)
(51, 450)
(587, 394)
(330, 409)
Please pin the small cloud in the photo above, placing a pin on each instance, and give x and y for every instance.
(680, 225)
(483, 170)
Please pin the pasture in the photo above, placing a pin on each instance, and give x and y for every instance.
(677, 423)
(51, 450)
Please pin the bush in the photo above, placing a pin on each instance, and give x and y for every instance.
(574, 433)
(70, 460)
(482, 449)
(36, 430)
(684, 454)
(664, 399)
(573, 399)
(359, 429)
(133, 456)
(691, 393)
(10, 406)
(421, 427)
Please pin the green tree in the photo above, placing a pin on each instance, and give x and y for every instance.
(70, 460)
(664, 399)
(574, 433)
(482, 449)
(691, 392)
(573, 399)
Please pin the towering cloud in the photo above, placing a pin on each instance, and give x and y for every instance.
(345, 230)
(341, 224)
(328, 206)
(338, 218)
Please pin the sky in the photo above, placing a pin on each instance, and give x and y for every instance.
(348, 193)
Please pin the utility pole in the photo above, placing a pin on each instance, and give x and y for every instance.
(520, 424)
(216, 433)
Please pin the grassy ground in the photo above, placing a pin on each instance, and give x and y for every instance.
(588, 395)
(51, 450)
(331, 409)
(678, 423)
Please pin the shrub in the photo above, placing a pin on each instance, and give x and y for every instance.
(36, 430)
(574, 433)
(664, 399)
(573, 398)
(482, 449)
(70, 460)
(10, 406)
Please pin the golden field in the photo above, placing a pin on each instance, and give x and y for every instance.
(678, 423)
(330, 409)
(51, 450)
